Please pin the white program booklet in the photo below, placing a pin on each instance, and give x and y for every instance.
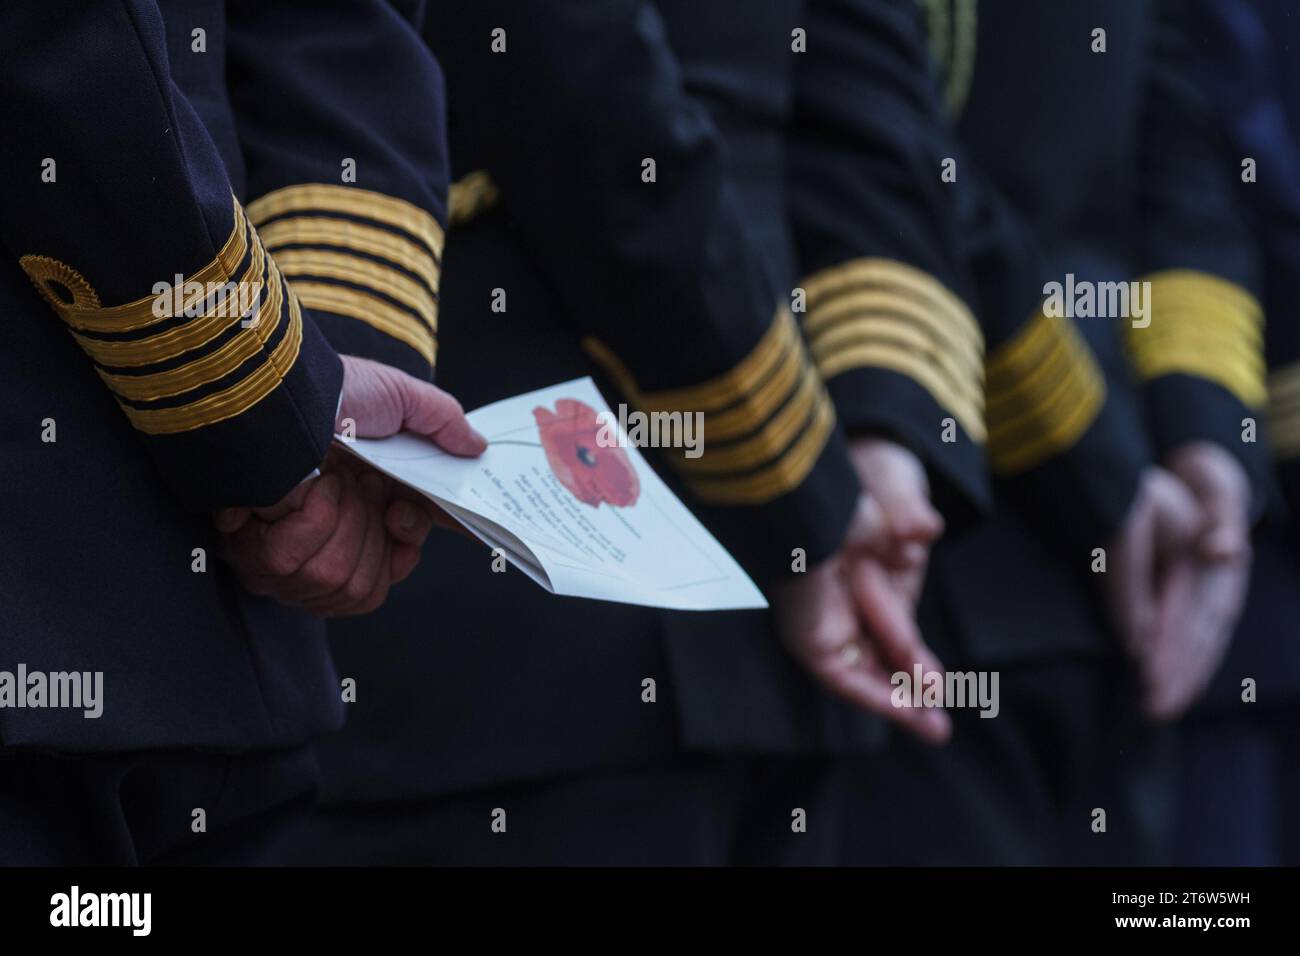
(567, 500)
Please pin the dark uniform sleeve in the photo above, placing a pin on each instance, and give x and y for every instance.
(1241, 75)
(338, 106)
(122, 214)
(1201, 357)
(1284, 401)
(1062, 421)
(911, 274)
(889, 315)
(657, 275)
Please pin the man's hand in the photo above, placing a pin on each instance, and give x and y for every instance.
(1156, 538)
(849, 625)
(896, 480)
(383, 401)
(1179, 574)
(1196, 631)
(336, 544)
(1222, 488)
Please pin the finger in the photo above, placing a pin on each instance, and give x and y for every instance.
(868, 528)
(321, 582)
(280, 548)
(889, 622)
(1130, 589)
(910, 556)
(404, 560)
(894, 476)
(1226, 535)
(1226, 539)
(291, 502)
(1193, 652)
(382, 580)
(428, 410)
(1164, 654)
(371, 572)
(1178, 515)
(931, 725)
(892, 629)
(1222, 489)
(912, 517)
(907, 566)
(850, 673)
(855, 677)
(910, 583)
(379, 590)
(408, 522)
(230, 520)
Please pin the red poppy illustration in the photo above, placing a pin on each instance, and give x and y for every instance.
(591, 471)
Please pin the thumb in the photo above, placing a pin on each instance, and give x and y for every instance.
(230, 520)
(869, 527)
(291, 502)
(383, 400)
(897, 479)
(1178, 518)
(1225, 536)
(912, 517)
(1222, 487)
(905, 503)
(429, 411)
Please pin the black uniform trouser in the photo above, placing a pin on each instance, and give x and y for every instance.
(1023, 788)
(139, 809)
(696, 811)
(1240, 789)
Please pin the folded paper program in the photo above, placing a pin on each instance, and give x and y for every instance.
(580, 515)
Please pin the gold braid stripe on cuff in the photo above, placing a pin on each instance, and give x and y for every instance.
(201, 329)
(371, 309)
(778, 478)
(260, 286)
(1284, 411)
(877, 313)
(347, 234)
(765, 422)
(237, 398)
(324, 199)
(1044, 390)
(396, 296)
(734, 386)
(1203, 326)
(85, 311)
(326, 264)
(215, 365)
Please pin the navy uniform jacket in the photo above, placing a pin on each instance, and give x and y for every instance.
(891, 302)
(672, 291)
(1113, 167)
(810, 87)
(1246, 57)
(1133, 119)
(204, 144)
(749, 139)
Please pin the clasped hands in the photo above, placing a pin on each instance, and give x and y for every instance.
(851, 620)
(1179, 573)
(339, 541)
(1175, 584)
